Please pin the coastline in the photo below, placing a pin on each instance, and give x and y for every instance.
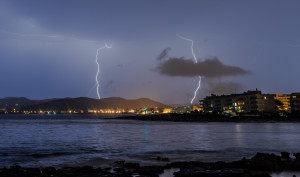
(212, 118)
(261, 165)
(175, 117)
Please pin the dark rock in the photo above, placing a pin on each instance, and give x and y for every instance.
(195, 172)
(49, 170)
(132, 166)
(297, 155)
(220, 165)
(165, 159)
(258, 166)
(119, 170)
(33, 171)
(262, 161)
(119, 163)
(201, 172)
(285, 156)
(151, 171)
(107, 169)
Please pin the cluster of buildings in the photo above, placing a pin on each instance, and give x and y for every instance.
(252, 102)
(71, 111)
(141, 111)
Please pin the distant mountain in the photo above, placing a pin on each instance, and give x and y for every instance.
(16, 102)
(79, 103)
(19, 102)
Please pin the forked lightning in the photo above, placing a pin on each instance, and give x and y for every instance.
(98, 67)
(196, 61)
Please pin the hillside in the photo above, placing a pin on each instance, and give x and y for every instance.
(16, 102)
(80, 103)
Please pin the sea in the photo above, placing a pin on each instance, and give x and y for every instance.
(100, 140)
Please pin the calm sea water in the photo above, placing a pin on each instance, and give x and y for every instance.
(33, 140)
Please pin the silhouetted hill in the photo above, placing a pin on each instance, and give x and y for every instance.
(91, 103)
(16, 102)
(19, 102)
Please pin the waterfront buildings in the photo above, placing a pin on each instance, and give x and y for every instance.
(295, 103)
(252, 102)
(247, 102)
(283, 102)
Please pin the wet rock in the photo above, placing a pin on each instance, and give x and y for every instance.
(200, 172)
(132, 166)
(119, 163)
(182, 165)
(164, 159)
(258, 166)
(49, 170)
(151, 171)
(33, 171)
(241, 164)
(262, 161)
(285, 156)
(107, 169)
(195, 172)
(220, 165)
(119, 170)
(297, 155)
(16, 171)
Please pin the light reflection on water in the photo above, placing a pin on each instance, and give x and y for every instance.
(54, 140)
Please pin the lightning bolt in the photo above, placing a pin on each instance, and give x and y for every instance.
(98, 66)
(196, 61)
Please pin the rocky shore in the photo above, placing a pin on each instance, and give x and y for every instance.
(261, 165)
(198, 117)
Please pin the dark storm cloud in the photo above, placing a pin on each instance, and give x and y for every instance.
(209, 68)
(164, 54)
(219, 87)
(224, 87)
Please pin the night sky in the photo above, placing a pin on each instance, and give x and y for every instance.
(48, 47)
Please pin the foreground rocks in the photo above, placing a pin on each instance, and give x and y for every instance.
(258, 166)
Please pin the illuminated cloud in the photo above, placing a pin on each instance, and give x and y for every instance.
(208, 68)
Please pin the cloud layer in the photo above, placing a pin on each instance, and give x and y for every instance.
(209, 68)
(223, 87)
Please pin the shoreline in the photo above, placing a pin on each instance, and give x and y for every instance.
(261, 165)
(175, 117)
(211, 118)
